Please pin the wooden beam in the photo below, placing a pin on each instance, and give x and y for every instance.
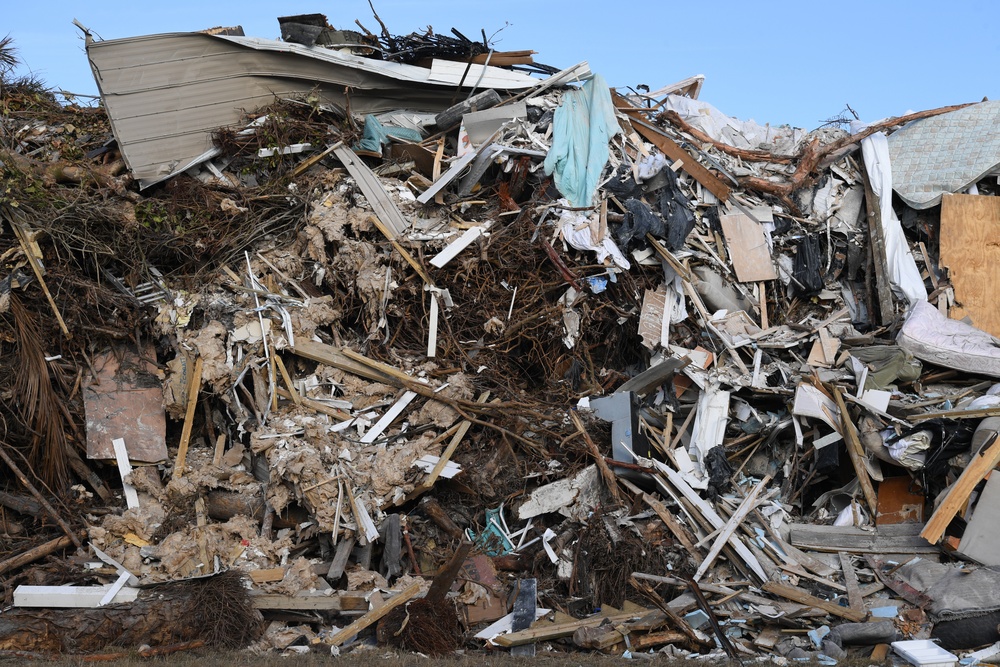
(894, 539)
(798, 595)
(876, 246)
(194, 388)
(857, 453)
(854, 597)
(749, 504)
(983, 462)
(333, 356)
(674, 526)
(671, 149)
(42, 550)
(344, 601)
(548, 632)
(956, 414)
(374, 615)
(296, 399)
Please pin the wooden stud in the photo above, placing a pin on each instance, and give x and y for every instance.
(798, 595)
(375, 614)
(856, 451)
(194, 388)
(981, 464)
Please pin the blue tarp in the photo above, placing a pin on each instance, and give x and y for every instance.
(583, 125)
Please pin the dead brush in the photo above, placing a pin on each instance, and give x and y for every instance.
(222, 611)
(36, 402)
(422, 626)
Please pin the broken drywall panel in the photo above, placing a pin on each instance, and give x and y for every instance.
(811, 402)
(125, 400)
(481, 125)
(748, 248)
(572, 497)
(970, 250)
(709, 423)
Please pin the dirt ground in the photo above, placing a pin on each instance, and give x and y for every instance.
(382, 658)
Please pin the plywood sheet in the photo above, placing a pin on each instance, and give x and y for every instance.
(747, 248)
(970, 249)
(125, 400)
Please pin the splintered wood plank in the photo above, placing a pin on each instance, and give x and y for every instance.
(671, 149)
(748, 248)
(672, 524)
(374, 615)
(798, 595)
(970, 249)
(194, 388)
(981, 464)
(857, 453)
(854, 597)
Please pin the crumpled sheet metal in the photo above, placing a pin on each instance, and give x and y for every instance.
(945, 154)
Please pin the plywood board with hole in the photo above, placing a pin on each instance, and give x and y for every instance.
(748, 248)
(970, 250)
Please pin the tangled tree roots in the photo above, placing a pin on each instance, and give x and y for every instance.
(422, 626)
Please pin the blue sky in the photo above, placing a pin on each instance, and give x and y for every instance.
(776, 62)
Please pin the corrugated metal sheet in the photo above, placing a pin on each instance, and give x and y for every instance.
(165, 94)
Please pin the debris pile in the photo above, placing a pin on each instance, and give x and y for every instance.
(429, 352)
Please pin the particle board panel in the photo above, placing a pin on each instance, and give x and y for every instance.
(970, 249)
(748, 248)
(125, 400)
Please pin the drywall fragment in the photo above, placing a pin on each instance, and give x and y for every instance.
(811, 402)
(572, 497)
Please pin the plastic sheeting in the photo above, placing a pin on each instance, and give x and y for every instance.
(578, 231)
(583, 125)
(903, 273)
(732, 131)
